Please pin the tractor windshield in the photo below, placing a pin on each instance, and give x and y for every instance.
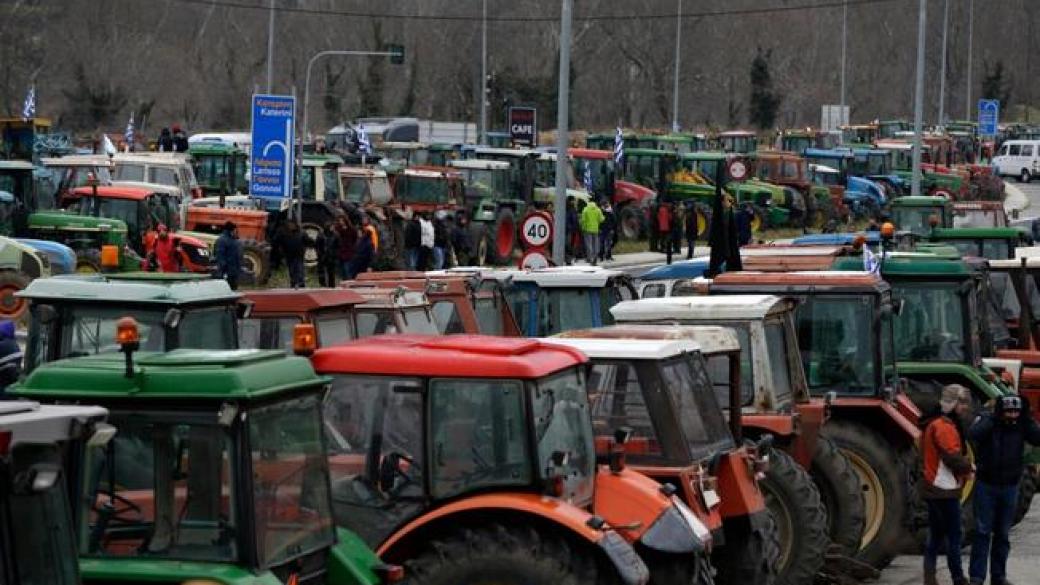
(371, 321)
(563, 309)
(266, 332)
(838, 342)
(37, 518)
(447, 317)
(718, 367)
(600, 169)
(416, 189)
(704, 425)
(366, 189)
(916, 219)
(292, 511)
(490, 315)
(126, 210)
(988, 248)
(563, 432)
(164, 488)
(978, 218)
(223, 173)
(485, 182)
(933, 325)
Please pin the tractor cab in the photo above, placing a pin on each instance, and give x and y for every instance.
(220, 168)
(992, 243)
(36, 532)
(979, 214)
(523, 165)
(77, 315)
(737, 141)
(392, 311)
(552, 300)
(364, 186)
(276, 313)
(76, 170)
(429, 189)
(920, 214)
(462, 442)
(545, 181)
(217, 473)
(494, 199)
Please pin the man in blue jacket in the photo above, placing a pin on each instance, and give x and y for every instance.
(999, 439)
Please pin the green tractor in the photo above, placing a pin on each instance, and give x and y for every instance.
(217, 474)
(770, 202)
(494, 208)
(920, 214)
(220, 168)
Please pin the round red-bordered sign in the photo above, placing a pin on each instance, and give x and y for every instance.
(737, 169)
(536, 229)
(533, 260)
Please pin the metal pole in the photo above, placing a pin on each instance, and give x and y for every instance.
(971, 35)
(915, 185)
(844, 43)
(483, 79)
(560, 211)
(942, 67)
(307, 78)
(270, 47)
(675, 88)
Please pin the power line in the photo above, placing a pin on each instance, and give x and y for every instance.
(547, 19)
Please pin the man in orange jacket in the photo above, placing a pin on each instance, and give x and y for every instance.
(946, 468)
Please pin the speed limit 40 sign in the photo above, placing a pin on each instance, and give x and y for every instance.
(536, 230)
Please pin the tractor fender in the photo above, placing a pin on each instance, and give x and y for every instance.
(880, 415)
(639, 509)
(626, 192)
(62, 258)
(18, 257)
(517, 506)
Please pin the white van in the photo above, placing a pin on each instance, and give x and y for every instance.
(1018, 158)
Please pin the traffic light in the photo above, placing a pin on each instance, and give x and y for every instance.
(397, 54)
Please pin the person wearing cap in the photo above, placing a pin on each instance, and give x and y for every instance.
(946, 469)
(999, 438)
(228, 254)
(10, 355)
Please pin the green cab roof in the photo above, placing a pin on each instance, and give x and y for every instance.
(648, 152)
(714, 155)
(213, 148)
(319, 160)
(974, 233)
(129, 288)
(920, 201)
(245, 374)
(911, 264)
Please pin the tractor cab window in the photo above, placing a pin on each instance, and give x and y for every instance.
(376, 322)
(122, 209)
(330, 181)
(43, 547)
(690, 387)
(837, 341)
(88, 330)
(932, 326)
(208, 329)
(212, 171)
(161, 489)
(478, 436)
(290, 479)
(266, 332)
(356, 189)
(718, 368)
(418, 320)
(564, 309)
(916, 219)
(333, 330)
(780, 362)
(446, 315)
(308, 188)
(617, 399)
(163, 176)
(414, 189)
(654, 290)
(130, 172)
(560, 412)
(489, 315)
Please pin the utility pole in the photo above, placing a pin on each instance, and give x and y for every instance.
(560, 201)
(844, 44)
(483, 78)
(675, 88)
(915, 185)
(971, 35)
(270, 47)
(942, 67)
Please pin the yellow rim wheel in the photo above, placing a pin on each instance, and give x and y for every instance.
(873, 497)
(702, 223)
(756, 223)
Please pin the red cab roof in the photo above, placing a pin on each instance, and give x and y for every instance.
(287, 300)
(589, 153)
(114, 192)
(821, 278)
(456, 356)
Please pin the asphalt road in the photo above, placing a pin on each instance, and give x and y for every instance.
(1032, 191)
(1023, 565)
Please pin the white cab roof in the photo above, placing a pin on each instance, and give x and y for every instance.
(31, 422)
(473, 163)
(697, 308)
(362, 172)
(517, 152)
(77, 160)
(709, 338)
(635, 349)
(791, 250)
(568, 276)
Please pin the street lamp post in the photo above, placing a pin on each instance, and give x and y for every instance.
(560, 210)
(483, 79)
(675, 88)
(270, 47)
(915, 185)
(844, 43)
(307, 79)
(942, 66)
(971, 34)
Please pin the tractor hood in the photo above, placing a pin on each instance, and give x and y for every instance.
(866, 186)
(547, 194)
(627, 191)
(44, 220)
(62, 258)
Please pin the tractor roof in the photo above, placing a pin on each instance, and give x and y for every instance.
(362, 172)
(432, 172)
(31, 422)
(188, 374)
(129, 192)
(568, 277)
(632, 349)
(709, 338)
(920, 201)
(213, 148)
(698, 308)
(290, 300)
(1027, 261)
(514, 152)
(712, 155)
(479, 164)
(444, 283)
(590, 153)
(151, 158)
(808, 281)
(894, 145)
(167, 289)
(77, 160)
(842, 153)
(457, 356)
(390, 298)
(979, 205)
(320, 160)
(692, 268)
(910, 264)
(17, 165)
(974, 233)
(771, 258)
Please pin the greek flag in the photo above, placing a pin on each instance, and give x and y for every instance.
(107, 146)
(364, 146)
(29, 107)
(128, 136)
(587, 178)
(870, 261)
(619, 147)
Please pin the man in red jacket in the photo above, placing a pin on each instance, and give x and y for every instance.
(946, 468)
(164, 249)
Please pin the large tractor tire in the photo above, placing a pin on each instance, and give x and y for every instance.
(671, 569)
(751, 553)
(502, 238)
(500, 555)
(801, 519)
(703, 216)
(631, 225)
(13, 308)
(478, 238)
(88, 261)
(1026, 491)
(841, 494)
(256, 262)
(884, 481)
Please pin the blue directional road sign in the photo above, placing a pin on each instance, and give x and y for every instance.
(989, 116)
(271, 162)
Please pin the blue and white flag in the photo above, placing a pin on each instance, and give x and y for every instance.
(619, 147)
(586, 178)
(364, 146)
(870, 261)
(29, 107)
(128, 136)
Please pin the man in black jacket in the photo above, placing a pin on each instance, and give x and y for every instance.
(999, 440)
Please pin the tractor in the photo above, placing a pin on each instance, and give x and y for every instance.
(218, 472)
(494, 205)
(631, 200)
(741, 141)
(220, 168)
(206, 217)
(552, 300)
(865, 197)
(276, 312)
(771, 203)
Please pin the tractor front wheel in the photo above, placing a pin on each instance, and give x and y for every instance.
(752, 550)
(11, 307)
(800, 518)
(256, 262)
(841, 493)
(88, 261)
(503, 237)
(630, 222)
(502, 555)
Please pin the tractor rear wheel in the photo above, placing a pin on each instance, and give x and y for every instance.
(800, 518)
(498, 555)
(256, 262)
(503, 237)
(841, 493)
(1026, 491)
(673, 569)
(703, 216)
(884, 482)
(88, 261)
(630, 222)
(11, 307)
(478, 239)
(752, 550)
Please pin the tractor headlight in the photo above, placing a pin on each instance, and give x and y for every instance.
(673, 532)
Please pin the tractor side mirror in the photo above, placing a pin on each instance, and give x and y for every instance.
(172, 319)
